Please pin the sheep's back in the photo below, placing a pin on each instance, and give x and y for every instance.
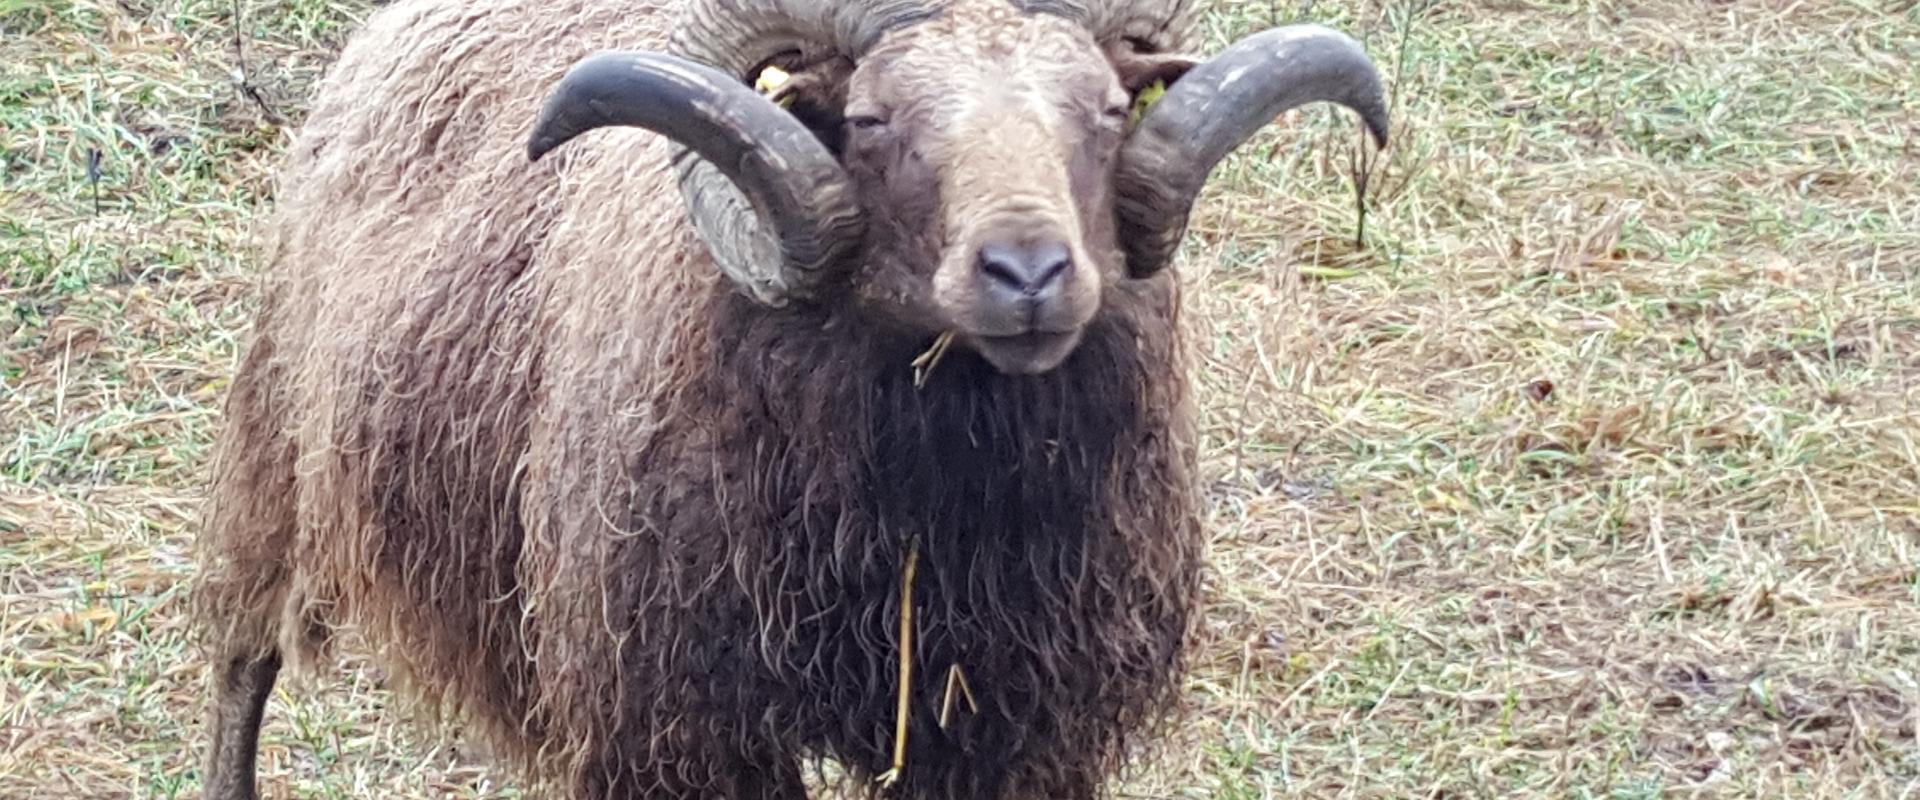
(412, 305)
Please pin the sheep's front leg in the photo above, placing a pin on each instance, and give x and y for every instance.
(240, 701)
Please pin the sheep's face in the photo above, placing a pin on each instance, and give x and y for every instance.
(973, 171)
(983, 153)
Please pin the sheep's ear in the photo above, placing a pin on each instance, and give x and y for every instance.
(1139, 68)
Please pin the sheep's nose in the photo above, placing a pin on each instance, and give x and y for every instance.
(1032, 269)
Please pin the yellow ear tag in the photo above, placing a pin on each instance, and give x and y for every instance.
(1145, 100)
(771, 80)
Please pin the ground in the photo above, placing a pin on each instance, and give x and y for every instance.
(1593, 470)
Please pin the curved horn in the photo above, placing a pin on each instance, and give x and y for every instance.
(738, 35)
(793, 183)
(1213, 109)
(1163, 25)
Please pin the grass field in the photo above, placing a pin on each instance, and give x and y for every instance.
(1595, 472)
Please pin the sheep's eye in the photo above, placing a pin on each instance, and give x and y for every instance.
(865, 122)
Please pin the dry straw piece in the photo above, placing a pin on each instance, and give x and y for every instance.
(923, 364)
(956, 683)
(892, 776)
(956, 677)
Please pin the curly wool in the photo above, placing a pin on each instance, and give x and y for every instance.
(505, 422)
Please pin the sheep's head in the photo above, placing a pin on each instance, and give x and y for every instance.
(972, 167)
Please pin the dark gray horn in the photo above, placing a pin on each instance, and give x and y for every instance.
(1217, 106)
(796, 187)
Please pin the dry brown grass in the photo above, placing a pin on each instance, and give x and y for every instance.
(1593, 473)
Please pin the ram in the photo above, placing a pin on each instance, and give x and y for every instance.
(603, 396)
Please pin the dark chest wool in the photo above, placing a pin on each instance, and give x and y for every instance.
(1056, 547)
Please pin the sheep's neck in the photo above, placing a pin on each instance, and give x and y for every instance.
(972, 454)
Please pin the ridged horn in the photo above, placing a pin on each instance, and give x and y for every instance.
(736, 36)
(776, 236)
(1161, 25)
(790, 179)
(1216, 107)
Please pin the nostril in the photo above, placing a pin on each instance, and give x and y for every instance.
(1027, 267)
(1002, 263)
(1054, 263)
